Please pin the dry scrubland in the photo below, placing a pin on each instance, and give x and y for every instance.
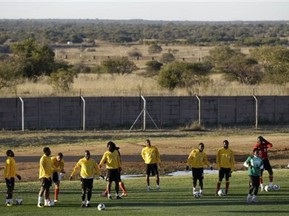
(135, 84)
(174, 147)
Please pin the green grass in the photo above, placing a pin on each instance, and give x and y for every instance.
(174, 199)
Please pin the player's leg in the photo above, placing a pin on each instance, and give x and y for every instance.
(89, 191)
(123, 189)
(56, 191)
(148, 171)
(221, 176)
(9, 193)
(227, 178)
(156, 172)
(83, 192)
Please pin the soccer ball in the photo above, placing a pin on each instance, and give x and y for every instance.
(51, 203)
(267, 188)
(276, 187)
(197, 194)
(18, 201)
(221, 192)
(101, 207)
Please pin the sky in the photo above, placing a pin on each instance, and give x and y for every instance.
(169, 10)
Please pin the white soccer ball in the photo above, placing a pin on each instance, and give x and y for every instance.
(18, 201)
(101, 207)
(221, 192)
(276, 187)
(197, 194)
(51, 203)
(267, 188)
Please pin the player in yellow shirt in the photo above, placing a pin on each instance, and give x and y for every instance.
(226, 164)
(151, 157)
(45, 173)
(121, 184)
(9, 175)
(58, 166)
(111, 158)
(88, 169)
(196, 161)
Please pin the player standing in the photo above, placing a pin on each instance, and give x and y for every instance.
(58, 165)
(88, 168)
(226, 164)
(9, 175)
(263, 145)
(45, 172)
(151, 157)
(111, 158)
(196, 160)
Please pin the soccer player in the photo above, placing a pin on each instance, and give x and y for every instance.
(88, 168)
(9, 175)
(58, 166)
(151, 157)
(196, 161)
(111, 158)
(226, 164)
(263, 145)
(255, 165)
(45, 173)
(121, 184)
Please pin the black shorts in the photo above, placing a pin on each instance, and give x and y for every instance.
(55, 178)
(86, 183)
(10, 183)
(46, 182)
(198, 173)
(224, 172)
(266, 164)
(152, 169)
(113, 175)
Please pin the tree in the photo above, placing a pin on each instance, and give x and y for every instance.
(167, 58)
(135, 53)
(153, 67)
(118, 65)
(9, 77)
(32, 59)
(182, 74)
(154, 48)
(62, 79)
(235, 65)
(275, 61)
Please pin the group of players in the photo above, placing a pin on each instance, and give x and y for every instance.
(51, 169)
(256, 164)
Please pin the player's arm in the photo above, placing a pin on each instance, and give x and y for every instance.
(75, 169)
(102, 161)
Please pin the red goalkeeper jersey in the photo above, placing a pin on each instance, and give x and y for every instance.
(263, 149)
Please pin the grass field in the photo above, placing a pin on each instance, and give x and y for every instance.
(175, 198)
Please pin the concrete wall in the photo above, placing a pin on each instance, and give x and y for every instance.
(122, 112)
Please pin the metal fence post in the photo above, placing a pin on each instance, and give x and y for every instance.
(22, 113)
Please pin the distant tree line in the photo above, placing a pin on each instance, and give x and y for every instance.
(54, 31)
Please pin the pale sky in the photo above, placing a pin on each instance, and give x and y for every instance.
(170, 10)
